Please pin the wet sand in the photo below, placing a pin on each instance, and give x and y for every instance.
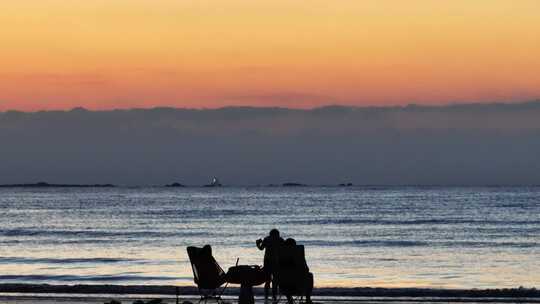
(92, 294)
(50, 299)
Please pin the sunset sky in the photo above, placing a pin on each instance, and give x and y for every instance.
(103, 54)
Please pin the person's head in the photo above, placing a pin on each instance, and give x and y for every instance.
(290, 242)
(274, 233)
(206, 250)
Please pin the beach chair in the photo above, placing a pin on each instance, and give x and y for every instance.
(207, 274)
(294, 279)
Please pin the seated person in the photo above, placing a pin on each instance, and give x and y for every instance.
(293, 272)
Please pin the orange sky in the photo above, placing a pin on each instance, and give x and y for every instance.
(100, 54)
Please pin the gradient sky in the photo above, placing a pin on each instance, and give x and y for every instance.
(102, 54)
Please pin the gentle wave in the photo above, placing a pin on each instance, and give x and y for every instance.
(97, 233)
(197, 214)
(381, 243)
(23, 260)
(330, 221)
(405, 243)
(80, 278)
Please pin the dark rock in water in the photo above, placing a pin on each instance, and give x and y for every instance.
(293, 185)
(174, 185)
(346, 185)
(47, 185)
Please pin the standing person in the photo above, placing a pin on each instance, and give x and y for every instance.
(271, 244)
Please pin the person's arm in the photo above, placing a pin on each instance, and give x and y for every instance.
(260, 244)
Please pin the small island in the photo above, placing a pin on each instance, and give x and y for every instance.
(175, 185)
(47, 185)
(293, 185)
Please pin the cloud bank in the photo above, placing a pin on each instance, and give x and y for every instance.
(473, 144)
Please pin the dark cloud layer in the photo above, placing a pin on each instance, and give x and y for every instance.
(471, 144)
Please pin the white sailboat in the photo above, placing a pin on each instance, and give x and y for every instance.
(215, 183)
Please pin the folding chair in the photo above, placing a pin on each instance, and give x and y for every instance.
(293, 276)
(207, 273)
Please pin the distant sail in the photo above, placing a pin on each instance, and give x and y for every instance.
(215, 183)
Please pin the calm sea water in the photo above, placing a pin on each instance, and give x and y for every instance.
(356, 236)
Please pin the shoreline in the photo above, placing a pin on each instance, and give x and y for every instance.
(53, 299)
(350, 292)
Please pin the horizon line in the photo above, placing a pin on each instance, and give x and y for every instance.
(330, 105)
(265, 185)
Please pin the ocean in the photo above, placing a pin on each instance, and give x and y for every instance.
(435, 237)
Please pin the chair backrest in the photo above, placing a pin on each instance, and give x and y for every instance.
(293, 258)
(292, 268)
(207, 273)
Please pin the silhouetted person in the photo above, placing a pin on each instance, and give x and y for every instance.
(271, 244)
(294, 271)
(290, 242)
